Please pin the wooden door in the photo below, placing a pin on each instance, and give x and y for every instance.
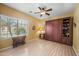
(53, 30)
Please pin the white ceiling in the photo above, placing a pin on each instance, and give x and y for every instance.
(58, 8)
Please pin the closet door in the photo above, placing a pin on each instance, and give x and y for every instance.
(60, 30)
(53, 30)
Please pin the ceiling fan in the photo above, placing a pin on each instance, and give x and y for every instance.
(43, 11)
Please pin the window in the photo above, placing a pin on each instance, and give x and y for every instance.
(3, 27)
(11, 27)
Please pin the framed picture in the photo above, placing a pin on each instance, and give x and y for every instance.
(74, 24)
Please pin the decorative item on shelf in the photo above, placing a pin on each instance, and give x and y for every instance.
(66, 27)
(67, 34)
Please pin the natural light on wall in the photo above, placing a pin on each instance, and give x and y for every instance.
(40, 29)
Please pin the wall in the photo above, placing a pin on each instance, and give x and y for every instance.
(14, 13)
(5, 43)
(76, 30)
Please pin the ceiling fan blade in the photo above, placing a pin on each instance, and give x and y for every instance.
(47, 13)
(49, 9)
(36, 12)
(40, 8)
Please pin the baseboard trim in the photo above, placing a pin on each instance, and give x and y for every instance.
(2, 49)
(75, 51)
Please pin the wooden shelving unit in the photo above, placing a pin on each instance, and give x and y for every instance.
(67, 27)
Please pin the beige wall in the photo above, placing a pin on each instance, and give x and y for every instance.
(5, 43)
(76, 30)
(5, 10)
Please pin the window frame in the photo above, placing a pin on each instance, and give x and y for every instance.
(19, 24)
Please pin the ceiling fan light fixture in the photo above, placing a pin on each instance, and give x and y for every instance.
(43, 13)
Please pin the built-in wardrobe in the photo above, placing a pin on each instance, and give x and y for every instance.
(59, 30)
